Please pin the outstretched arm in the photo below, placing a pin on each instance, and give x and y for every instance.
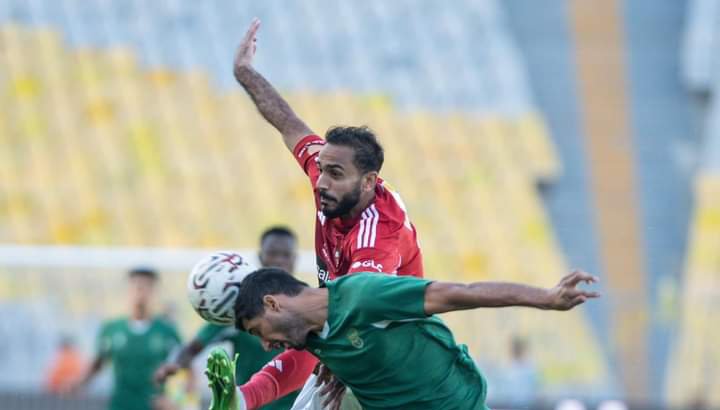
(267, 100)
(92, 371)
(182, 361)
(441, 297)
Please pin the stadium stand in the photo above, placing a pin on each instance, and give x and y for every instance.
(693, 375)
(123, 129)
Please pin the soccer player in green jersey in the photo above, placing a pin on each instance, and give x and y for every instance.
(136, 345)
(379, 334)
(278, 248)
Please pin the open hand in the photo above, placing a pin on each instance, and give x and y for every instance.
(566, 295)
(332, 391)
(246, 49)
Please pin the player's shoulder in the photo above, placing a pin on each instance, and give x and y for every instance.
(164, 325)
(388, 207)
(114, 325)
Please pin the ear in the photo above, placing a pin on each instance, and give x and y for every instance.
(271, 303)
(260, 258)
(369, 180)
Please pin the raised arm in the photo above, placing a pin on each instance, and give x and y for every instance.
(267, 100)
(441, 297)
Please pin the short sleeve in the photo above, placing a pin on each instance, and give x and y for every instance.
(306, 158)
(381, 297)
(175, 335)
(210, 333)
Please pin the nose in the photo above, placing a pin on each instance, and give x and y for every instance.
(323, 182)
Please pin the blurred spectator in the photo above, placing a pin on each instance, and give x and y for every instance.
(67, 367)
(517, 384)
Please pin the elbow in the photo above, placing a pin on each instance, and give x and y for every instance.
(240, 72)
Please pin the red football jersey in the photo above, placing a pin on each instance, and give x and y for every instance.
(380, 239)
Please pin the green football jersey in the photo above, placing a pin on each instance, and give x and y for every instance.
(136, 350)
(379, 342)
(251, 356)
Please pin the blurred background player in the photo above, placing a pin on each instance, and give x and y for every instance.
(361, 224)
(136, 346)
(516, 385)
(278, 248)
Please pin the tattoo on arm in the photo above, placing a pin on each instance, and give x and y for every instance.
(272, 106)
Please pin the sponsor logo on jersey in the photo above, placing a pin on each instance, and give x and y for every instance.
(323, 273)
(355, 340)
(368, 264)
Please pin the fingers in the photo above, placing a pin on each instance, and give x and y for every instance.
(577, 301)
(252, 31)
(324, 376)
(573, 293)
(576, 277)
(333, 395)
(328, 388)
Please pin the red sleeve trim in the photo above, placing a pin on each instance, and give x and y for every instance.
(283, 375)
(300, 150)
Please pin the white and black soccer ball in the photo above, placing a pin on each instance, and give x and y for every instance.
(213, 286)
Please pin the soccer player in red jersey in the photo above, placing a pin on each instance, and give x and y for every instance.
(361, 224)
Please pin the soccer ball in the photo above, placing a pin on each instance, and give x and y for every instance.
(213, 285)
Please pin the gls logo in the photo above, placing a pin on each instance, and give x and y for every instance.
(368, 264)
(322, 270)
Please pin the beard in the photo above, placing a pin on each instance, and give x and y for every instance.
(343, 206)
(294, 330)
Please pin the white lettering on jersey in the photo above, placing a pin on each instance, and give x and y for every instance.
(368, 264)
(368, 228)
(321, 218)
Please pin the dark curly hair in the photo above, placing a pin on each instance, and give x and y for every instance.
(369, 154)
(262, 282)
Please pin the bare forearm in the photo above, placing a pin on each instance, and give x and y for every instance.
(443, 297)
(446, 297)
(272, 106)
(95, 367)
(501, 294)
(188, 353)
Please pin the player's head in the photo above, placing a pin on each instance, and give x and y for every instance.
(142, 281)
(349, 165)
(263, 308)
(278, 248)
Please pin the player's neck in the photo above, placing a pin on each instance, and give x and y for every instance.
(313, 303)
(140, 313)
(361, 206)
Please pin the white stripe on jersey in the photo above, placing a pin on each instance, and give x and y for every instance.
(361, 231)
(368, 228)
(374, 224)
